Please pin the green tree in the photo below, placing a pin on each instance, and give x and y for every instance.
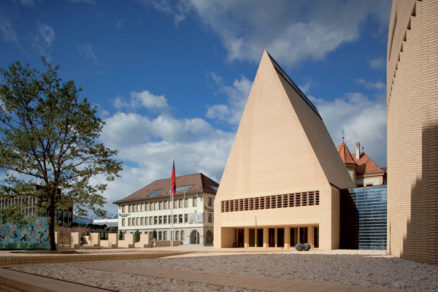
(154, 234)
(137, 236)
(120, 235)
(49, 143)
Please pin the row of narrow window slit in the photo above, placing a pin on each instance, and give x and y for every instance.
(271, 202)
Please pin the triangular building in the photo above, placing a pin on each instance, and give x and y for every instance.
(282, 181)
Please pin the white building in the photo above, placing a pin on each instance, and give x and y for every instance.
(191, 218)
(109, 222)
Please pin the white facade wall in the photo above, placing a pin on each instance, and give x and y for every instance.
(194, 218)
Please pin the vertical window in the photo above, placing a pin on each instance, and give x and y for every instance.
(210, 218)
(186, 203)
(297, 199)
(285, 202)
(311, 199)
(141, 221)
(182, 235)
(180, 217)
(175, 218)
(256, 203)
(129, 221)
(186, 218)
(155, 220)
(262, 203)
(304, 194)
(317, 198)
(194, 202)
(123, 221)
(164, 219)
(177, 235)
(279, 203)
(180, 203)
(160, 220)
(316, 237)
(222, 206)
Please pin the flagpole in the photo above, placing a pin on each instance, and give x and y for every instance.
(172, 234)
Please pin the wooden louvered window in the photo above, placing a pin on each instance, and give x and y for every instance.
(285, 201)
(304, 198)
(291, 200)
(297, 199)
(311, 198)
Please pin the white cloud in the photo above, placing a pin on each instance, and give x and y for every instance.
(377, 63)
(45, 33)
(87, 51)
(141, 99)
(177, 9)
(293, 31)
(237, 94)
(371, 85)
(148, 144)
(7, 31)
(361, 118)
(149, 100)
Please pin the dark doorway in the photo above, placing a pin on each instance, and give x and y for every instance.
(280, 237)
(271, 237)
(252, 237)
(260, 237)
(239, 237)
(303, 234)
(293, 236)
(316, 237)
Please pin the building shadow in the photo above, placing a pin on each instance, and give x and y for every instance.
(421, 241)
(349, 236)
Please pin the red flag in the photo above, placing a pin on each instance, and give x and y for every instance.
(172, 178)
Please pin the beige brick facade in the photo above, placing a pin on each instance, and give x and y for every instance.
(283, 173)
(412, 97)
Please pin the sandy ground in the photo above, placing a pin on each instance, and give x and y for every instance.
(361, 268)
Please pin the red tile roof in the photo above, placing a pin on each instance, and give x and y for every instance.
(364, 164)
(345, 154)
(195, 183)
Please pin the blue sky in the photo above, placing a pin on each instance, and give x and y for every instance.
(171, 78)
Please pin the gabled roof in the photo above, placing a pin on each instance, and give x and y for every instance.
(282, 144)
(366, 166)
(345, 154)
(189, 184)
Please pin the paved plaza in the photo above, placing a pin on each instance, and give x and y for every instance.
(210, 269)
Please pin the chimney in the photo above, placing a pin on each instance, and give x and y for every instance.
(357, 150)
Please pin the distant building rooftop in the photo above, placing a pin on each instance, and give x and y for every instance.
(188, 184)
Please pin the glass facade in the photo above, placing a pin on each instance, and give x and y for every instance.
(363, 218)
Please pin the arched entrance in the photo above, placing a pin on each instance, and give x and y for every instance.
(209, 237)
(194, 237)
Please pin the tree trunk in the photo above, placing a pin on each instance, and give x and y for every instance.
(52, 220)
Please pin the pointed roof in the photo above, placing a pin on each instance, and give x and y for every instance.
(345, 154)
(282, 144)
(367, 166)
(189, 184)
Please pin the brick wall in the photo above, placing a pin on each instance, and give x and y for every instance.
(412, 76)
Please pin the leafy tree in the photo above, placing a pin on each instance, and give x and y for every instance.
(137, 236)
(120, 235)
(154, 234)
(48, 143)
(112, 229)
